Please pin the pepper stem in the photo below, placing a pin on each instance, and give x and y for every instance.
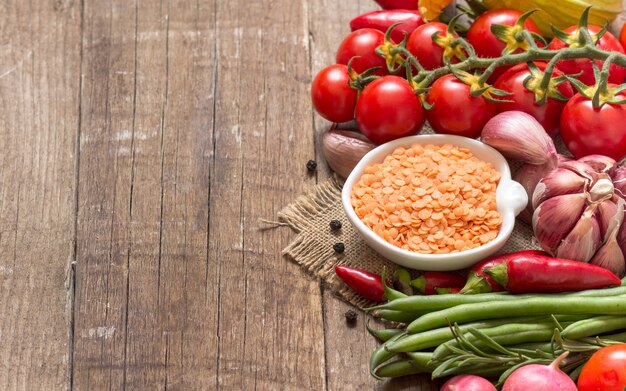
(419, 283)
(500, 274)
(476, 284)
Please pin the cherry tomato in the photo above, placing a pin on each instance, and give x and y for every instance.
(388, 109)
(588, 131)
(608, 42)
(548, 114)
(488, 45)
(605, 370)
(455, 111)
(622, 37)
(363, 43)
(332, 97)
(421, 45)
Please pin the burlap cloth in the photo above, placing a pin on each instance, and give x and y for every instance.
(312, 248)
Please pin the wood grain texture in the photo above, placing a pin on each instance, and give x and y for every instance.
(143, 141)
(39, 84)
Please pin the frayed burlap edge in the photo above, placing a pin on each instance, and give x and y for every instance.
(312, 249)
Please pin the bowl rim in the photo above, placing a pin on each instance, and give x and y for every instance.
(438, 139)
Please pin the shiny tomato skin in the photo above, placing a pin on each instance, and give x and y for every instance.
(455, 111)
(363, 43)
(388, 109)
(622, 37)
(548, 114)
(421, 45)
(608, 42)
(488, 45)
(331, 95)
(605, 370)
(588, 131)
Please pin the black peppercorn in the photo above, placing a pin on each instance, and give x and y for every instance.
(339, 247)
(335, 225)
(311, 165)
(351, 317)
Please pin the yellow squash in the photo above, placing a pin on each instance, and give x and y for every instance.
(561, 13)
(431, 9)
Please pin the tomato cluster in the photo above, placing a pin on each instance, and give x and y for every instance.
(389, 103)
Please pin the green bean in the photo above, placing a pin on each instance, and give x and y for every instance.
(594, 326)
(503, 335)
(398, 316)
(533, 306)
(381, 355)
(438, 302)
(434, 337)
(619, 338)
(484, 370)
(420, 363)
(383, 335)
(413, 343)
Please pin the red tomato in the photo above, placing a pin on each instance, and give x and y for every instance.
(488, 45)
(363, 43)
(455, 111)
(388, 109)
(421, 45)
(622, 37)
(608, 42)
(548, 114)
(605, 370)
(332, 97)
(588, 131)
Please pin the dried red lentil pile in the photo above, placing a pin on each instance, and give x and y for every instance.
(430, 199)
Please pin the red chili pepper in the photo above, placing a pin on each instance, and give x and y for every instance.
(366, 284)
(398, 4)
(382, 20)
(544, 274)
(479, 282)
(444, 291)
(428, 282)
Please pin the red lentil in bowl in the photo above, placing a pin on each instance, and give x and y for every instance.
(432, 199)
(510, 200)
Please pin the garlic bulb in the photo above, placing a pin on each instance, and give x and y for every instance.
(579, 212)
(343, 149)
(519, 136)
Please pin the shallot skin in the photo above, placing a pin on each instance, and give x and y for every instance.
(468, 383)
(539, 377)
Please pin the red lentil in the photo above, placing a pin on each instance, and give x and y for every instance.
(430, 199)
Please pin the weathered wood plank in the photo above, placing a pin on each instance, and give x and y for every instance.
(187, 290)
(270, 319)
(118, 332)
(39, 79)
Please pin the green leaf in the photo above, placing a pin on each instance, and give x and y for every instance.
(539, 38)
(562, 35)
(501, 31)
(441, 368)
(487, 340)
(578, 85)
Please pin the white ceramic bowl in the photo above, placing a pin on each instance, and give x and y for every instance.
(511, 199)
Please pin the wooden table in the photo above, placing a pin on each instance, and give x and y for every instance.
(140, 144)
